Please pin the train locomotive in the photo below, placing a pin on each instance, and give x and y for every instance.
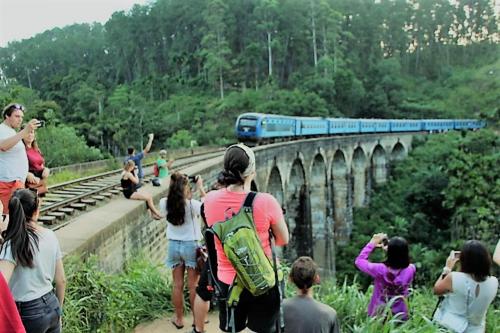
(257, 128)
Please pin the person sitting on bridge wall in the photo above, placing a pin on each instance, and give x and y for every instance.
(13, 159)
(163, 166)
(31, 261)
(129, 188)
(392, 278)
(137, 158)
(183, 235)
(38, 172)
(302, 312)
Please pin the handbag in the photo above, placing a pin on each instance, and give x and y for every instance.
(452, 321)
(201, 250)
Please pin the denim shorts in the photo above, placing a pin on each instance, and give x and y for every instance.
(181, 252)
(41, 314)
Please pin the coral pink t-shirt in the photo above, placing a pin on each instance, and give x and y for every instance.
(219, 205)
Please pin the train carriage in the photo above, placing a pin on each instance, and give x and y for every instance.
(437, 125)
(472, 124)
(311, 126)
(402, 125)
(374, 125)
(343, 126)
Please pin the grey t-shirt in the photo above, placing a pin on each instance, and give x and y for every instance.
(13, 162)
(305, 315)
(27, 283)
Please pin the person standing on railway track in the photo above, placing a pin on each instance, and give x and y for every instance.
(137, 158)
(13, 159)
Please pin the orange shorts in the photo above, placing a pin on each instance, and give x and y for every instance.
(6, 190)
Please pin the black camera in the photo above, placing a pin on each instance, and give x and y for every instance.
(385, 241)
(193, 179)
(41, 123)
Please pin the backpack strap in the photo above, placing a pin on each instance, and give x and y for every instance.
(249, 200)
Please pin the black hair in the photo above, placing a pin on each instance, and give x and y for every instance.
(475, 260)
(130, 150)
(398, 254)
(236, 161)
(10, 108)
(20, 233)
(176, 198)
(303, 273)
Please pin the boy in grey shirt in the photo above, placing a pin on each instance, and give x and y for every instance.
(302, 313)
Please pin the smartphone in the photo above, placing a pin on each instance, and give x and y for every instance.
(456, 254)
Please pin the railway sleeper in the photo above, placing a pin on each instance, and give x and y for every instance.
(67, 211)
(91, 202)
(79, 206)
(98, 197)
(58, 215)
(47, 219)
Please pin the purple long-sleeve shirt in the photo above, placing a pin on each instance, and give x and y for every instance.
(388, 283)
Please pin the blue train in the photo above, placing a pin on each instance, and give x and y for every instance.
(255, 128)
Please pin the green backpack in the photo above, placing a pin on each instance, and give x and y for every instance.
(243, 248)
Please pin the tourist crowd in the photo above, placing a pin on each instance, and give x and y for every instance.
(32, 279)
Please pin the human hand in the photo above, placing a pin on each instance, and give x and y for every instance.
(32, 179)
(452, 259)
(378, 238)
(199, 182)
(32, 125)
(151, 136)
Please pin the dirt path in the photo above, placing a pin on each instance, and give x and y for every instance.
(164, 325)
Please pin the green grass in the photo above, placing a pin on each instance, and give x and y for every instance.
(100, 302)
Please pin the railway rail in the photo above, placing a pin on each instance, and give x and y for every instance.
(65, 199)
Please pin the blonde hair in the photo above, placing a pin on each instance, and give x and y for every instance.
(129, 164)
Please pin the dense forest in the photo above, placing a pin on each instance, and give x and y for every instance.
(185, 69)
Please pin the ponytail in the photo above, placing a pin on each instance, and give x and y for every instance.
(20, 233)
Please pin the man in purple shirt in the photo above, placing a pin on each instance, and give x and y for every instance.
(392, 278)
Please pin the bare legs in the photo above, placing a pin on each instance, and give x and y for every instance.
(178, 289)
(146, 196)
(200, 312)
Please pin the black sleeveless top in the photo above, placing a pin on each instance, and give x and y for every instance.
(128, 187)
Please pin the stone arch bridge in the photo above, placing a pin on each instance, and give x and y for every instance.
(319, 181)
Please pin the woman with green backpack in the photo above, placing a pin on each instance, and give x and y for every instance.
(258, 313)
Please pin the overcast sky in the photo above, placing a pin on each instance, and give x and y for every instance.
(20, 19)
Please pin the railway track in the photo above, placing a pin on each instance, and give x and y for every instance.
(66, 199)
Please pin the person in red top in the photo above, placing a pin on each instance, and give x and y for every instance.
(258, 313)
(10, 322)
(36, 164)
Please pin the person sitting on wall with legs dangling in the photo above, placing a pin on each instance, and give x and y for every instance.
(129, 184)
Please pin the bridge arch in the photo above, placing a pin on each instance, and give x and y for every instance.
(275, 185)
(398, 152)
(298, 212)
(340, 193)
(359, 167)
(379, 165)
(321, 232)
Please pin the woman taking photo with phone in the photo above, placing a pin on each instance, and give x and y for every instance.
(183, 235)
(392, 278)
(468, 292)
(31, 260)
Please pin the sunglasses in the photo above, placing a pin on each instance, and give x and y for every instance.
(4, 217)
(17, 107)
